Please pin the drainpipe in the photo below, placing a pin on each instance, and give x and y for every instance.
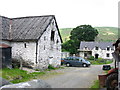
(36, 50)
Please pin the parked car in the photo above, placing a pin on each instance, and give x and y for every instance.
(75, 61)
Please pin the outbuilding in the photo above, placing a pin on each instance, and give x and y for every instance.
(34, 39)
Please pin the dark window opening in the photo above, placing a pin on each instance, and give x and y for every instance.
(52, 35)
(96, 56)
(57, 41)
(107, 55)
(108, 48)
(96, 48)
(52, 23)
(85, 48)
(44, 37)
(85, 54)
(44, 47)
(25, 45)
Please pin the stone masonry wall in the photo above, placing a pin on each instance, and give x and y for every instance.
(24, 50)
(49, 52)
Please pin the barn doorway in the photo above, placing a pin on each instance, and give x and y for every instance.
(96, 56)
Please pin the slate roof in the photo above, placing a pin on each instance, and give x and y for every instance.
(25, 28)
(91, 45)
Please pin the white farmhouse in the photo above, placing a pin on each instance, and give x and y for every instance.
(36, 39)
(97, 49)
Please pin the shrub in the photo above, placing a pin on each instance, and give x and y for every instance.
(51, 67)
(91, 58)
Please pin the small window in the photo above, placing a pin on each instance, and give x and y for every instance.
(85, 47)
(25, 45)
(52, 35)
(107, 55)
(44, 47)
(57, 41)
(108, 48)
(53, 23)
(44, 38)
(85, 54)
(96, 48)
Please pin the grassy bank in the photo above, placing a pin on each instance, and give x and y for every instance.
(95, 85)
(17, 75)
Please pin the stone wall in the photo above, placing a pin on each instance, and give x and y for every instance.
(49, 52)
(25, 51)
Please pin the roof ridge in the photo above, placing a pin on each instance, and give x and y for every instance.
(4, 17)
(33, 16)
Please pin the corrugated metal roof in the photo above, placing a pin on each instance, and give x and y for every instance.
(24, 28)
(91, 45)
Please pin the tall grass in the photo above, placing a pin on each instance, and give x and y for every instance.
(17, 75)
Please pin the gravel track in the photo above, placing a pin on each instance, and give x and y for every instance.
(75, 77)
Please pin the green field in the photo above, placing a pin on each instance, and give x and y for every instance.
(105, 33)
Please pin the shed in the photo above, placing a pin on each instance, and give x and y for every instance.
(5, 56)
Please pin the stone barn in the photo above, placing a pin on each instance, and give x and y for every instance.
(35, 39)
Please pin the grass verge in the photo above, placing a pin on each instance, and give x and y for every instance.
(17, 75)
(95, 85)
(100, 62)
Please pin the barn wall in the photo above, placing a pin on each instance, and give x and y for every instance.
(27, 52)
(49, 52)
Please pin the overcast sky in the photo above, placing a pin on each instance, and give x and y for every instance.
(68, 13)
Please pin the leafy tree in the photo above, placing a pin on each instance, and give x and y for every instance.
(69, 46)
(83, 33)
(78, 34)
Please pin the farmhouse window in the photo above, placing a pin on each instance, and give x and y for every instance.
(107, 55)
(108, 48)
(52, 35)
(85, 47)
(85, 54)
(96, 48)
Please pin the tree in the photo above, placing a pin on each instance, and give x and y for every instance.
(69, 46)
(78, 34)
(83, 33)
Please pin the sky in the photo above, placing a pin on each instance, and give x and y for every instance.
(68, 13)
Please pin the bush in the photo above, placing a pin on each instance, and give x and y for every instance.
(91, 58)
(51, 67)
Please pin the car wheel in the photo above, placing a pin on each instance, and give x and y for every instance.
(68, 64)
(84, 65)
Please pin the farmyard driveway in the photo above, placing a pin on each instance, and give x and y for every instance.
(75, 77)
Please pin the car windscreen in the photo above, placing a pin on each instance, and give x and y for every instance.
(82, 59)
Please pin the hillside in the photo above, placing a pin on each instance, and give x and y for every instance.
(105, 33)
